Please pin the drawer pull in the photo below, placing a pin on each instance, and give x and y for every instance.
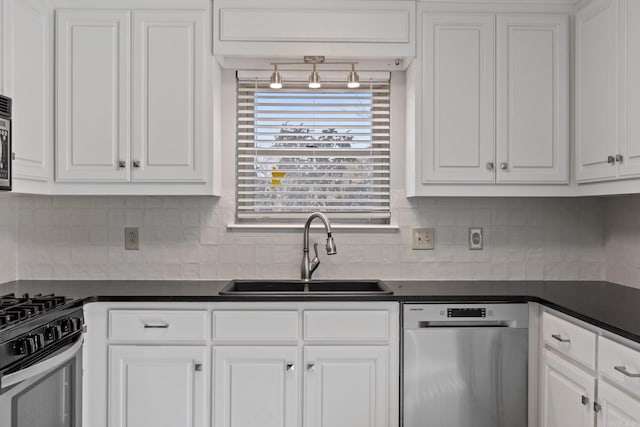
(156, 325)
(559, 338)
(623, 370)
(585, 400)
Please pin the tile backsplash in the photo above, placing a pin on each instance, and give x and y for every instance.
(622, 240)
(8, 237)
(79, 237)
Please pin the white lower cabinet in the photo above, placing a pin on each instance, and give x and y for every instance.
(568, 393)
(587, 379)
(256, 386)
(159, 386)
(617, 409)
(346, 386)
(234, 364)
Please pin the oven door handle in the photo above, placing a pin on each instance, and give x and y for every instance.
(42, 367)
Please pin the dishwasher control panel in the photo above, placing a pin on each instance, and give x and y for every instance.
(419, 315)
(467, 312)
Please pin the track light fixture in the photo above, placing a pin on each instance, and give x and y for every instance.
(276, 80)
(314, 79)
(353, 80)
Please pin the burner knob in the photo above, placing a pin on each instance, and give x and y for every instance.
(54, 332)
(39, 338)
(77, 323)
(26, 346)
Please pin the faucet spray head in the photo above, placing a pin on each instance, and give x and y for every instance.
(331, 245)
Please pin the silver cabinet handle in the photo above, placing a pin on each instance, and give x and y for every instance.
(504, 166)
(597, 407)
(490, 166)
(619, 158)
(198, 367)
(122, 164)
(311, 366)
(291, 367)
(559, 338)
(136, 164)
(611, 160)
(156, 325)
(623, 370)
(585, 400)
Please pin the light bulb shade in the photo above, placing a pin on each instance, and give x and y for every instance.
(314, 80)
(353, 81)
(276, 81)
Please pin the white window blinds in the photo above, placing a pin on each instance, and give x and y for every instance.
(301, 150)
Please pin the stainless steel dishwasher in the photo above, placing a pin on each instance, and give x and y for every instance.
(465, 365)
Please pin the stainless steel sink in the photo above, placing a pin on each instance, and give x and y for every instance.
(300, 287)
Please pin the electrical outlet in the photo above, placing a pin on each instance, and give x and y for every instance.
(131, 242)
(476, 238)
(422, 238)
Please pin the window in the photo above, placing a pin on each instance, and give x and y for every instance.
(302, 150)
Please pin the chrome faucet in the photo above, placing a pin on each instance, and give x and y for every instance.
(309, 266)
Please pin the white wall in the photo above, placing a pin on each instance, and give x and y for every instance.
(8, 237)
(622, 240)
(186, 237)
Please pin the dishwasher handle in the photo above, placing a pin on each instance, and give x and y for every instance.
(467, 324)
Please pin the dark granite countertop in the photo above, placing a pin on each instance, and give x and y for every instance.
(607, 305)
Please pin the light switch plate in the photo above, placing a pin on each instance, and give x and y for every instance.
(422, 238)
(476, 238)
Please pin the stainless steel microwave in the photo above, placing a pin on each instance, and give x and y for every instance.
(5, 143)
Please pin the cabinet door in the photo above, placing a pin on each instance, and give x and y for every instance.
(28, 75)
(532, 99)
(630, 132)
(169, 96)
(567, 394)
(158, 386)
(618, 409)
(596, 90)
(346, 386)
(92, 95)
(256, 386)
(458, 98)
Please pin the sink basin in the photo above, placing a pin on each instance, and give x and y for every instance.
(299, 287)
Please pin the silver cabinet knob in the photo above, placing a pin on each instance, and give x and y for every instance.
(490, 166)
(291, 367)
(597, 407)
(122, 164)
(311, 366)
(504, 166)
(198, 367)
(136, 164)
(585, 400)
(611, 160)
(619, 158)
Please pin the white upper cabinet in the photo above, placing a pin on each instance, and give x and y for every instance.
(27, 80)
(532, 102)
(459, 75)
(608, 92)
(134, 99)
(488, 101)
(168, 96)
(334, 28)
(93, 80)
(596, 90)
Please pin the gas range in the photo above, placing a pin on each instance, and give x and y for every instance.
(34, 327)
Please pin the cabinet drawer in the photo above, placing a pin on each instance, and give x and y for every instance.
(620, 363)
(245, 325)
(349, 325)
(157, 325)
(569, 339)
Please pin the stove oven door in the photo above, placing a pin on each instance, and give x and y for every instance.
(46, 394)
